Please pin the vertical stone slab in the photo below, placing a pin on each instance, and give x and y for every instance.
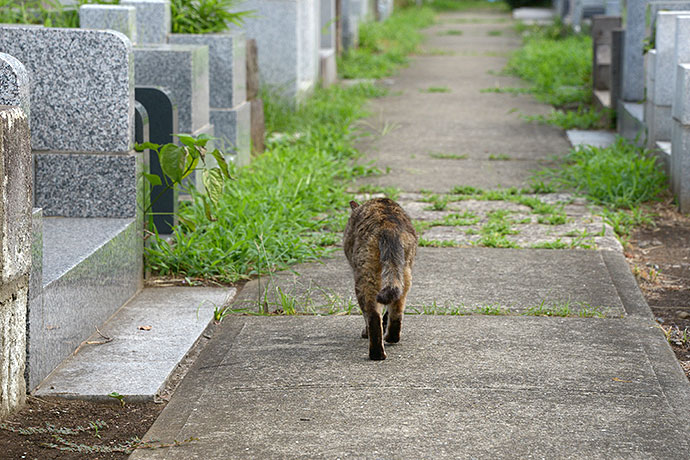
(82, 87)
(15, 254)
(680, 142)
(227, 65)
(113, 17)
(617, 46)
(633, 59)
(601, 50)
(328, 22)
(308, 44)
(153, 20)
(252, 70)
(14, 83)
(258, 126)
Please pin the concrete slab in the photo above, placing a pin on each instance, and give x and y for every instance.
(440, 104)
(150, 336)
(447, 279)
(578, 138)
(454, 387)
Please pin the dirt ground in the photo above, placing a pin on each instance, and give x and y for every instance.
(658, 255)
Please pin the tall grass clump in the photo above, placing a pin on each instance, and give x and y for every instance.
(619, 176)
(277, 210)
(384, 46)
(558, 65)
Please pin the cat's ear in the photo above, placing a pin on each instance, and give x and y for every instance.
(354, 205)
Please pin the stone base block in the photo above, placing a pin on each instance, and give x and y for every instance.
(233, 127)
(662, 153)
(85, 185)
(659, 125)
(631, 122)
(91, 267)
(328, 70)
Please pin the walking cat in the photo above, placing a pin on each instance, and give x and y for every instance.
(380, 243)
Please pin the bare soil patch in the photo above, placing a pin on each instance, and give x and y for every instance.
(123, 425)
(659, 257)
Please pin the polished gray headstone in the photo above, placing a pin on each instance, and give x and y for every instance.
(82, 87)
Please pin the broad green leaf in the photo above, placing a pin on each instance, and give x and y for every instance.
(153, 179)
(222, 164)
(190, 166)
(146, 146)
(172, 158)
(186, 139)
(213, 183)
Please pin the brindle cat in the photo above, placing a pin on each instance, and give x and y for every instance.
(380, 244)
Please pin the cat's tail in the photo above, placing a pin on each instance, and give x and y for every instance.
(392, 257)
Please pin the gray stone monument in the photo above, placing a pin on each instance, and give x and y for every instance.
(153, 20)
(15, 233)
(113, 17)
(86, 180)
(633, 59)
(183, 70)
(229, 112)
(286, 32)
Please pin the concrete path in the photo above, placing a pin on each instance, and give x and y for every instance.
(475, 374)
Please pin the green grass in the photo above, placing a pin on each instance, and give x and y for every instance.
(451, 32)
(582, 118)
(384, 46)
(494, 33)
(619, 176)
(499, 157)
(448, 156)
(436, 89)
(467, 5)
(390, 192)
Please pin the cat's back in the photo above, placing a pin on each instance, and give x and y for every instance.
(373, 217)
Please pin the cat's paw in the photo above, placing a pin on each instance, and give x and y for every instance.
(390, 338)
(377, 354)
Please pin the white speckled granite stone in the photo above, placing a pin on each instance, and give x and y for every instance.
(227, 56)
(285, 61)
(113, 17)
(153, 20)
(82, 87)
(182, 70)
(86, 185)
(14, 84)
(232, 126)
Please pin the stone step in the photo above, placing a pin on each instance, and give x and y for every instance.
(86, 269)
(140, 347)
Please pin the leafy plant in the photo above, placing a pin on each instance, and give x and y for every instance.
(179, 161)
(205, 16)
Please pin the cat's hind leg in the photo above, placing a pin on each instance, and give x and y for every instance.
(396, 311)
